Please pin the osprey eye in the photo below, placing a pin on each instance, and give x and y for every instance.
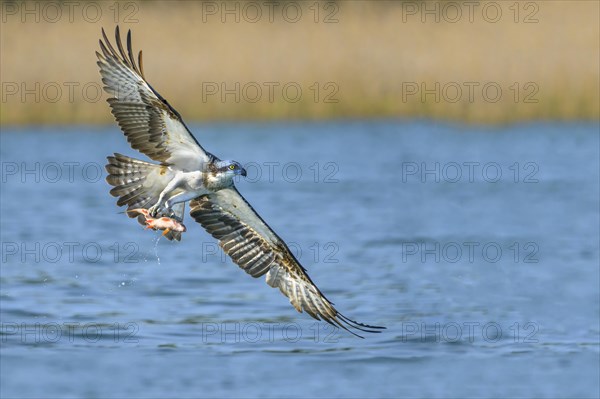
(232, 167)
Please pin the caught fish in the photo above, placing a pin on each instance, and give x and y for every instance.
(163, 223)
(166, 224)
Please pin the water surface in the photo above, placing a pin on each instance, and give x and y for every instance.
(477, 248)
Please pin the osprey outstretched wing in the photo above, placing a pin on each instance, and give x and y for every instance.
(187, 172)
(150, 124)
(257, 249)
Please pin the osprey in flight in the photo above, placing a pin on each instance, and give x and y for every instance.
(188, 172)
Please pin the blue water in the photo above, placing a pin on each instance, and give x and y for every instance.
(476, 247)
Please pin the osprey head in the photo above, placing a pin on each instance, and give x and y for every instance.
(230, 168)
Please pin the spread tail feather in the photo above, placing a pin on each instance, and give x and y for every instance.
(138, 184)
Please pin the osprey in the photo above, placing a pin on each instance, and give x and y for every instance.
(188, 172)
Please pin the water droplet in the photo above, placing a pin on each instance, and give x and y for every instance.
(156, 249)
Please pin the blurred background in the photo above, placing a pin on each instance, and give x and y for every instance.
(482, 62)
(434, 165)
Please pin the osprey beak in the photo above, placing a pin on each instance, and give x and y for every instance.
(243, 172)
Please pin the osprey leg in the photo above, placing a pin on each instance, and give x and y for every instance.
(173, 184)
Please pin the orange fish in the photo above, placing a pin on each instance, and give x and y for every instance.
(163, 223)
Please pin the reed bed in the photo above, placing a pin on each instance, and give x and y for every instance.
(537, 60)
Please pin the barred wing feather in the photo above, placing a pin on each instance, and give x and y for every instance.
(150, 124)
(255, 248)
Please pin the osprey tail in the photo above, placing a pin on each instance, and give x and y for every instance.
(138, 184)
